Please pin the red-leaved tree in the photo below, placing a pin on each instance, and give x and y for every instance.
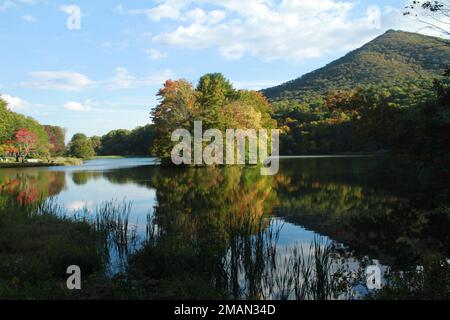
(26, 142)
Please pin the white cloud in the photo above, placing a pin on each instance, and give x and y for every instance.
(168, 9)
(73, 81)
(70, 9)
(29, 19)
(79, 205)
(58, 80)
(123, 79)
(79, 107)
(14, 103)
(119, 9)
(273, 29)
(200, 16)
(5, 5)
(154, 54)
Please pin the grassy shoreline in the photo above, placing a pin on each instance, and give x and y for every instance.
(56, 162)
(28, 165)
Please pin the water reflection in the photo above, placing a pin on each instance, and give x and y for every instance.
(30, 186)
(215, 232)
(345, 200)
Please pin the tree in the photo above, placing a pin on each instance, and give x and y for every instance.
(81, 147)
(124, 142)
(7, 123)
(214, 102)
(97, 144)
(56, 137)
(141, 140)
(8, 149)
(115, 142)
(433, 14)
(176, 109)
(26, 142)
(213, 92)
(443, 88)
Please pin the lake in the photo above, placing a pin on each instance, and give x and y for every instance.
(249, 230)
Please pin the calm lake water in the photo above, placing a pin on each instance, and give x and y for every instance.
(354, 203)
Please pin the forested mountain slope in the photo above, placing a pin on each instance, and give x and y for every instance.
(392, 58)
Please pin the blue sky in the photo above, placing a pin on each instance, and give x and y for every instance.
(105, 74)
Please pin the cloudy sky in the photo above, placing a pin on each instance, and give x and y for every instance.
(102, 71)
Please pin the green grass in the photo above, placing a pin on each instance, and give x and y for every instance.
(68, 161)
(38, 243)
(36, 249)
(59, 161)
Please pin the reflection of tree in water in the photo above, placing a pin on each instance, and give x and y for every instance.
(347, 199)
(210, 236)
(351, 204)
(81, 178)
(195, 230)
(29, 187)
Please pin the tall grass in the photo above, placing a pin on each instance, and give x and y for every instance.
(117, 239)
(248, 265)
(119, 236)
(257, 268)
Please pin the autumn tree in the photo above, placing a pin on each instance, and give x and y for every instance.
(176, 109)
(214, 102)
(26, 142)
(56, 137)
(11, 122)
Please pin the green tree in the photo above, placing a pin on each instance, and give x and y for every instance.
(116, 142)
(97, 144)
(213, 92)
(141, 140)
(81, 147)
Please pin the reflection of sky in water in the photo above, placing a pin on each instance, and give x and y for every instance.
(293, 233)
(108, 164)
(97, 182)
(99, 190)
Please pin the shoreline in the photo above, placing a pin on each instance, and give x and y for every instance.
(9, 165)
(56, 162)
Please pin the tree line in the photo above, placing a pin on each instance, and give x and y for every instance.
(408, 116)
(22, 137)
(122, 142)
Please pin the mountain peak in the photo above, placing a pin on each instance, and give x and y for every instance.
(392, 57)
